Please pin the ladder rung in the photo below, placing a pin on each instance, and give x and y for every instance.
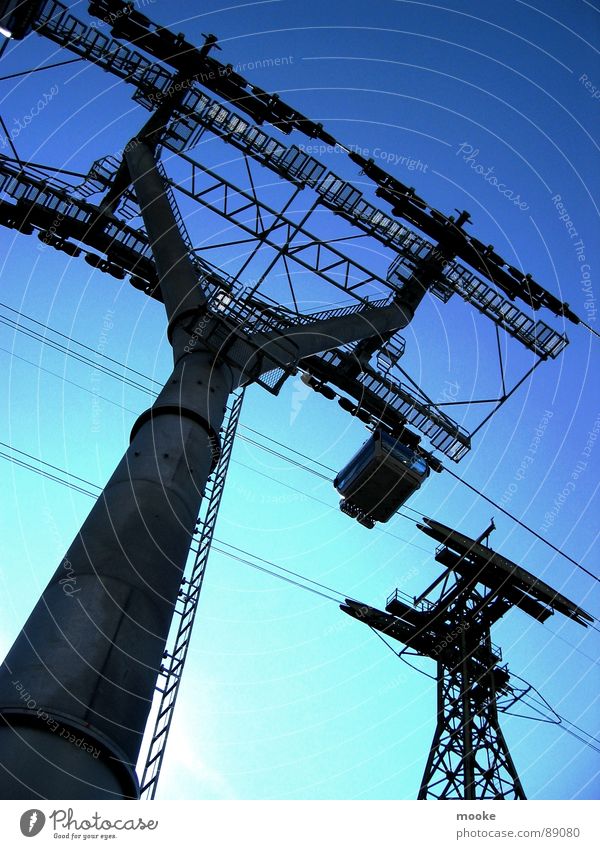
(153, 759)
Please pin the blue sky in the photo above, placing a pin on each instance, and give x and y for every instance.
(284, 696)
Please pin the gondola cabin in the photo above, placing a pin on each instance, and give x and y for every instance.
(379, 479)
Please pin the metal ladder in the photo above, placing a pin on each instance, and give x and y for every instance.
(185, 610)
(175, 208)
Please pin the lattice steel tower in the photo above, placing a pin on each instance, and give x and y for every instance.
(469, 756)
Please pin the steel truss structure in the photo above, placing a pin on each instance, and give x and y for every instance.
(195, 68)
(50, 206)
(469, 757)
(290, 243)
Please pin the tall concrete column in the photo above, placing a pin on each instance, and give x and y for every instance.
(77, 686)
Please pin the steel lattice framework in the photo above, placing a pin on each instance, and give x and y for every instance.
(174, 74)
(468, 726)
(189, 69)
(469, 757)
(250, 331)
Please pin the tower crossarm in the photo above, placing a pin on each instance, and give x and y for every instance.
(55, 211)
(526, 591)
(389, 400)
(153, 81)
(393, 627)
(409, 251)
(418, 630)
(465, 567)
(263, 106)
(59, 215)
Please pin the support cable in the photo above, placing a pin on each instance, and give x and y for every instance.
(68, 338)
(50, 466)
(11, 143)
(519, 522)
(299, 584)
(47, 475)
(399, 655)
(41, 68)
(322, 476)
(276, 575)
(591, 329)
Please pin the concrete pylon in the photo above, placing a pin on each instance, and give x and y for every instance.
(77, 686)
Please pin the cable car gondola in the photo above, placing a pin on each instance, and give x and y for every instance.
(379, 479)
